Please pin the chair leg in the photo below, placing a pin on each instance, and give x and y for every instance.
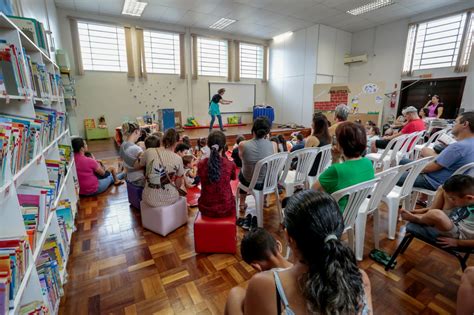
(279, 208)
(237, 202)
(350, 237)
(430, 200)
(360, 225)
(259, 200)
(403, 245)
(410, 201)
(289, 189)
(392, 217)
(376, 229)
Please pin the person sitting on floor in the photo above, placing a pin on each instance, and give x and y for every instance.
(152, 141)
(108, 170)
(341, 113)
(457, 228)
(182, 149)
(215, 173)
(235, 151)
(88, 169)
(202, 150)
(191, 178)
(414, 124)
(465, 302)
(325, 278)
(130, 151)
(450, 159)
(351, 142)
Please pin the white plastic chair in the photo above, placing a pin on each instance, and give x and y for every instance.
(465, 169)
(432, 139)
(388, 156)
(356, 195)
(370, 205)
(272, 167)
(324, 163)
(409, 145)
(393, 198)
(292, 178)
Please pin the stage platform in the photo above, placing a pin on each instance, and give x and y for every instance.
(232, 132)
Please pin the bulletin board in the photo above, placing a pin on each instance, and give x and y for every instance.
(363, 98)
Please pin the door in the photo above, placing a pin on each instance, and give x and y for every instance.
(417, 93)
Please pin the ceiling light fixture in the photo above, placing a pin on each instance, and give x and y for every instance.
(222, 23)
(283, 36)
(133, 7)
(370, 7)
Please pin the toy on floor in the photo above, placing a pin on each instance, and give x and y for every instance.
(191, 122)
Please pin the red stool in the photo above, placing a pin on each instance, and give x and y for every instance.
(215, 235)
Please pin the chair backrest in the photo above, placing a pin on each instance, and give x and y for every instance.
(467, 169)
(384, 186)
(272, 166)
(326, 158)
(435, 137)
(410, 142)
(305, 159)
(397, 147)
(356, 195)
(414, 169)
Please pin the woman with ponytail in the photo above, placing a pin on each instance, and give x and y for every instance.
(216, 172)
(324, 279)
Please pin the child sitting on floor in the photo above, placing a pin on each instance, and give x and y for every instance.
(182, 149)
(235, 151)
(152, 141)
(107, 170)
(190, 171)
(202, 151)
(457, 228)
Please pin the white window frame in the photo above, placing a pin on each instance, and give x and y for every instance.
(436, 43)
(251, 61)
(103, 47)
(162, 52)
(212, 57)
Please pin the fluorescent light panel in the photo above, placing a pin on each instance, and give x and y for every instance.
(133, 7)
(282, 36)
(370, 7)
(222, 23)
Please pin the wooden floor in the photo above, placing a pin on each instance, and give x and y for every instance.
(117, 267)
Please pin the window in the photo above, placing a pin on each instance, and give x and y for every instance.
(102, 47)
(212, 57)
(436, 43)
(251, 61)
(162, 52)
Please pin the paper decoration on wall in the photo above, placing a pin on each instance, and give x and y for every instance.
(379, 99)
(355, 104)
(370, 88)
(150, 94)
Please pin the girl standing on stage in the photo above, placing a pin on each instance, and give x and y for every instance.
(214, 108)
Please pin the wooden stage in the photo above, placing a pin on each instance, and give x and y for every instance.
(232, 132)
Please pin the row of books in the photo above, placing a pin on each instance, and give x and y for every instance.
(21, 139)
(57, 170)
(22, 76)
(34, 308)
(14, 260)
(49, 265)
(65, 221)
(33, 29)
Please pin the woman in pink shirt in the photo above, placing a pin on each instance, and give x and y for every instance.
(88, 171)
(435, 107)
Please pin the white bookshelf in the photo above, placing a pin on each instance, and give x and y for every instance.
(11, 220)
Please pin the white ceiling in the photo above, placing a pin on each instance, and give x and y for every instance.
(263, 18)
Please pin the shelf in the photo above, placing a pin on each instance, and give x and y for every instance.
(14, 97)
(21, 289)
(18, 175)
(61, 189)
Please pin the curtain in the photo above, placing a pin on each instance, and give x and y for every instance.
(462, 64)
(129, 49)
(409, 50)
(237, 61)
(194, 56)
(141, 64)
(230, 62)
(182, 60)
(265, 64)
(76, 47)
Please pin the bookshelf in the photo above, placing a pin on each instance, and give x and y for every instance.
(43, 158)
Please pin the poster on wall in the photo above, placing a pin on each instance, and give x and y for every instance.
(365, 99)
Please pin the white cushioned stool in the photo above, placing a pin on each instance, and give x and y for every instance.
(164, 220)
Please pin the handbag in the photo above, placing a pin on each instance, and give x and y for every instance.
(181, 192)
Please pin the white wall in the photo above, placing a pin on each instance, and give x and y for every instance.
(308, 56)
(385, 46)
(113, 94)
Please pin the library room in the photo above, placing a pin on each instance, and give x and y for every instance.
(236, 157)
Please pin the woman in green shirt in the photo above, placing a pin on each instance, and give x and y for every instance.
(351, 143)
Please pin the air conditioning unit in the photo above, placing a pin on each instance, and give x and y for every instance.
(354, 59)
